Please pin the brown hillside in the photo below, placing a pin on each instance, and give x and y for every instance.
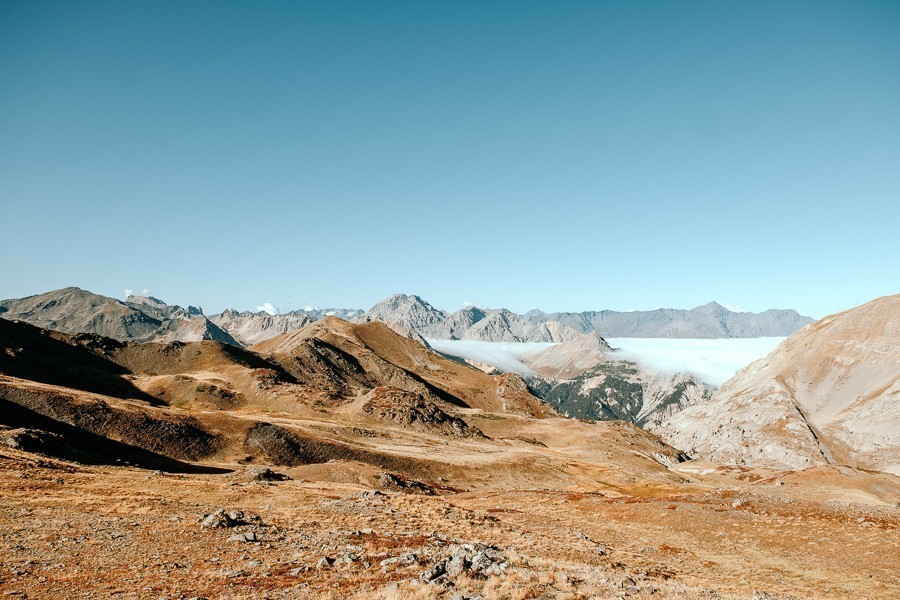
(349, 359)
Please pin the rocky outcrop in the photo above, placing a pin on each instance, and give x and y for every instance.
(828, 394)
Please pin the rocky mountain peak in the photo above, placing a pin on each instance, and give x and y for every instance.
(406, 310)
(711, 308)
(148, 300)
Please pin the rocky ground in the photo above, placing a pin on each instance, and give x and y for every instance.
(68, 530)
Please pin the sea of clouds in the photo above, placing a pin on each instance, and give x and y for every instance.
(506, 356)
(715, 361)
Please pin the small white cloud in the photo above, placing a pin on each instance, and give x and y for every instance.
(128, 292)
(145, 292)
(734, 308)
(268, 308)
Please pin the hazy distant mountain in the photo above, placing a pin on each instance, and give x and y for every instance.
(500, 325)
(139, 318)
(708, 321)
(828, 394)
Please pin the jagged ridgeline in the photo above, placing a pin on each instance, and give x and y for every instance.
(141, 318)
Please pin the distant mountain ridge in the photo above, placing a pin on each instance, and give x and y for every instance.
(144, 318)
(500, 325)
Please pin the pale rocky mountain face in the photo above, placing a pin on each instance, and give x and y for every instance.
(583, 379)
(250, 328)
(456, 325)
(828, 394)
(73, 310)
(410, 312)
(506, 326)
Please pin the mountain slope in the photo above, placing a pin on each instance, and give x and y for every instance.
(828, 394)
(73, 310)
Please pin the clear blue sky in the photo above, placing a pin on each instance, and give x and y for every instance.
(561, 155)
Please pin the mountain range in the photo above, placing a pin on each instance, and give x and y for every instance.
(145, 319)
(500, 325)
(141, 318)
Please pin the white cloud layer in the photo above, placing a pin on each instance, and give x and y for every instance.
(714, 361)
(268, 308)
(506, 356)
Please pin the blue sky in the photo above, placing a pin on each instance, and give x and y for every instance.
(561, 155)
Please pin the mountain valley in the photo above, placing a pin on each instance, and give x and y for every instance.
(325, 457)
